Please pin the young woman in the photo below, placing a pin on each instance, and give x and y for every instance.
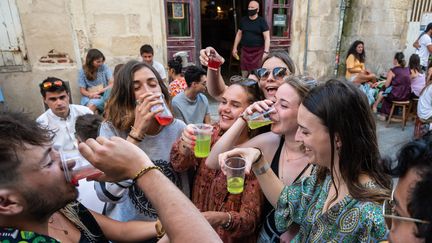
(175, 73)
(396, 87)
(94, 79)
(275, 67)
(417, 76)
(341, 200)
(234, 216)
(357, 73)
(131, 115)
(279, 146)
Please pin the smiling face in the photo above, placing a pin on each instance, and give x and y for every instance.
(270, 85)
(315, 137)
(144, 80)
(43, 185)
(402, 230)
(234, 102)
(58, 102)
(286, 106)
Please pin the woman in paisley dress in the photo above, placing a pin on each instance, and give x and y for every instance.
(341, 200)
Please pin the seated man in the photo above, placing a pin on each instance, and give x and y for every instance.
(61, 116)
(410, 209)
(33, 185)
(191, 105)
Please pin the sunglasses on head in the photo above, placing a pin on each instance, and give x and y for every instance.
(48, 84)
(278, 73)
(237, 79)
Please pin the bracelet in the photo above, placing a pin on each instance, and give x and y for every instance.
(160, 231)
(259, 157)
(145, 170)
(135, 135)
(263, 169)
(243, 118)
(228, 224)
(134, 138)
(266, 52)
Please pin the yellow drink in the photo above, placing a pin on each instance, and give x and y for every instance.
(235, 185)
(256, 124)
(202, 146)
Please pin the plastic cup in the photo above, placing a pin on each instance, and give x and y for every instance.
(164, 117)
(203, 133)
(213, 62)
(76, 167)
(257, 119)
(235, 173)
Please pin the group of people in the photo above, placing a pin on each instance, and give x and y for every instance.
(314, 174)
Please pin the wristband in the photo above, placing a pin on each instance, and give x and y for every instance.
(266, 52)
(243, 118)
(134, 138)
(263, 169)
(160, 231)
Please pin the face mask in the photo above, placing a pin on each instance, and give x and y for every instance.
(252, 12)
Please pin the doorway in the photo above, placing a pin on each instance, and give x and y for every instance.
(219, 23)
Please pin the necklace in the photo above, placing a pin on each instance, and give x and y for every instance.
(51, 224)
(287, 160)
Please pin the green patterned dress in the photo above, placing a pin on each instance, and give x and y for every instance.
(11, 235)
(349, 220)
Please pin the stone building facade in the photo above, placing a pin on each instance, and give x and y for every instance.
(118, 28)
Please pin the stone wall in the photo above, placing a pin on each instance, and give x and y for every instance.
(69, 27)
(382, 25)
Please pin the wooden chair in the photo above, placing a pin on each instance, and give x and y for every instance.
(404, 105)
(412, 110)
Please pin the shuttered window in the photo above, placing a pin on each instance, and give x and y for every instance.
(12, 49)
(418, 8)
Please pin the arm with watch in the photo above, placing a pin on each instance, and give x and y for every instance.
(255, 161)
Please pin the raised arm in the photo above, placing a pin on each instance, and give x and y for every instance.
(215, 83)
(119, 160)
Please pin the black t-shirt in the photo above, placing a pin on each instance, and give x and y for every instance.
(252, 31)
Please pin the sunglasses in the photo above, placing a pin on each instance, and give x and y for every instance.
(388, 210)
(278, 73)
(47, 85)
(237, 79)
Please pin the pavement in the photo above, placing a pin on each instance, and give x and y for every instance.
(390, 139)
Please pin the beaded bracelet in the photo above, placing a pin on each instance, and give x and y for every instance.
(145, 170)
(228, 224)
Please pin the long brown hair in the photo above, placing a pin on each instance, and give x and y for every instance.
(120, 108)
(344, 110)
(90, 71)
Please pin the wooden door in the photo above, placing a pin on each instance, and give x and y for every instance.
(278, 14)
(182, 25)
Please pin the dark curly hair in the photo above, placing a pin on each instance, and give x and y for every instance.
(417, 155)
(352, 50)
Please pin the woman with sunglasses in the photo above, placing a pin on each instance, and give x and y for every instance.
(275, 67)
(131, 114)
(234, 216)
(341, 200)
(94, 79)
(287, 156)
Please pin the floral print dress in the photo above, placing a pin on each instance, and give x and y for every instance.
(349, 220)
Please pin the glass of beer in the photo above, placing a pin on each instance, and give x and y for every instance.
(203, 133)
(77, 167)
(235, 173)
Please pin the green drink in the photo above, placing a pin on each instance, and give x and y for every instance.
(235, 185)
(202, 146)
(256, 124)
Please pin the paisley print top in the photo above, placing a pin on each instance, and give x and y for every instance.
(349, 220)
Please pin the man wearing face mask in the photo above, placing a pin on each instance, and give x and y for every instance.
(254, 36)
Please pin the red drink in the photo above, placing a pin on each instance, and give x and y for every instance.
(213, 62)
(163, 120)
(84, 172)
